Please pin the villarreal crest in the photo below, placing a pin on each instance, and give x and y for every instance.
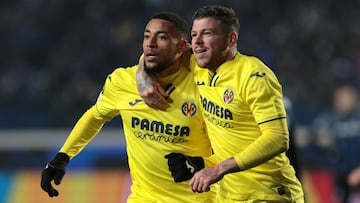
(228, 95)
(189, 108)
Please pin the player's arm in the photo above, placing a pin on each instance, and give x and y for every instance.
(85, 129)
(83, 132)
(150, 90)
(273, 141)
(263, 94)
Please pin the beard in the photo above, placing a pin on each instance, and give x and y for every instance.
(158, 68)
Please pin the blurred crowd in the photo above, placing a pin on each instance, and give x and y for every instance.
(55, 54)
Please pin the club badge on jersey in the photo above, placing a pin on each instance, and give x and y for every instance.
(189, 108)
(228, 95)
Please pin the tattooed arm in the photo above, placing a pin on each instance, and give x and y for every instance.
(150, 90)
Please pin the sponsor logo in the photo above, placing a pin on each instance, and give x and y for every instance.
(215, 109)
(160, 127)
(136, 101)
(198, 83)
(257, 74)
(189, 166)
(157, 131)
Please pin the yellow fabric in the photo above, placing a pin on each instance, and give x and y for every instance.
(243, 109)
(150, 134)
(83, 132)
(210, 161)
(222, 199)
(274, 140)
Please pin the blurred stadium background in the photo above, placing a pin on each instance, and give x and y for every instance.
(56, 54)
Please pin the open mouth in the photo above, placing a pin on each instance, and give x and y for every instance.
(200, 51)
(150, 56)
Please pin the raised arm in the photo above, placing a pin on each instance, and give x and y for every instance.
(150, 90)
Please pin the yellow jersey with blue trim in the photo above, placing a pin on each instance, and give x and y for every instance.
(151, 134)
(236, 100)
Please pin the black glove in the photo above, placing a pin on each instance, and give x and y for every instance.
(55, 170)
(183, 167)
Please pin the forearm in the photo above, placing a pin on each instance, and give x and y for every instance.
(143, 80)
(83, 132)
(227, 166)
(273, 141)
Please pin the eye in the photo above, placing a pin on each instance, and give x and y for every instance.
(207, 33)
(162, 37)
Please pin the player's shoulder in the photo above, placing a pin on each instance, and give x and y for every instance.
(122, 74)
(252, 65)
(249, 61)
(125, 70)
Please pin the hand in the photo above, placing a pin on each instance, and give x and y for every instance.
(55, 170)
(151, 91)
(183, 167)
(155, 97)
(202, 180)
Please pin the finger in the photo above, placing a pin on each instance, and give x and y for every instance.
(45, 182)
(58, 177)
(162, 92)
(204, 187)
(155, 98)
(148, 95)
(53, 193)
(199, 187)
(193, 183)
(153, 106)
(47, 187)
(169, 100)
(160, 102)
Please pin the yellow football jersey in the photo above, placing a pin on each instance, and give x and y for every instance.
(235, 100)
(151, 134)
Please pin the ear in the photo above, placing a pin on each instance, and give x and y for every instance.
(233, 38)
(182, 46)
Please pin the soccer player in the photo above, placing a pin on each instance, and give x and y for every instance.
(150, 135)
(242, 104)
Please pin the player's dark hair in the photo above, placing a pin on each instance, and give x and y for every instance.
(227, 17)
(179, 23)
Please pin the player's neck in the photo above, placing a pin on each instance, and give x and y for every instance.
(167, 76)
(228, 56)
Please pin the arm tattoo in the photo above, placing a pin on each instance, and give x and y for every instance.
(143, 80)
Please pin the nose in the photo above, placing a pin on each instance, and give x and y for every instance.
(151, 42)
(197, 39)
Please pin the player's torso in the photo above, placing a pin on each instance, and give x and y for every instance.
(151, 134)
(232, 127)
(230, 122)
